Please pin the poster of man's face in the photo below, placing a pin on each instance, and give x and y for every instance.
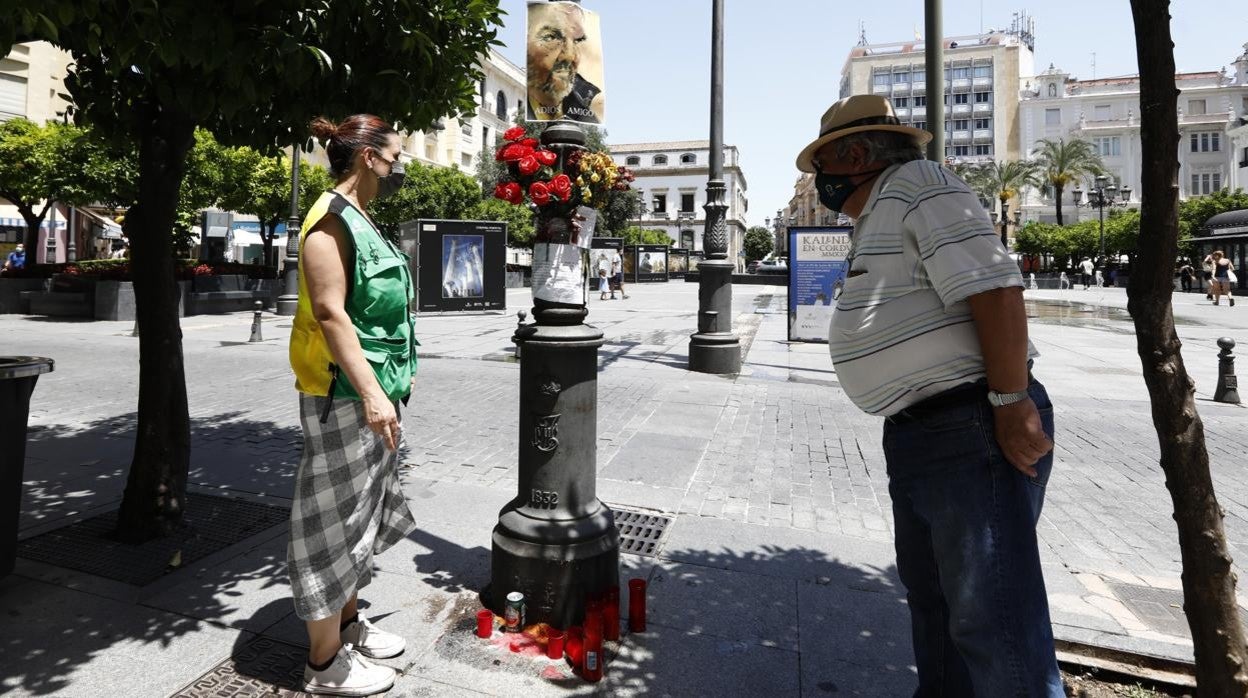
(463, 261)
(565, 77)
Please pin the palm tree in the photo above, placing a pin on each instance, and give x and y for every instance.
(1064, 163)
(1004, 180)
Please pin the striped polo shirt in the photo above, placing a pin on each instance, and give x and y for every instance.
(902, 330)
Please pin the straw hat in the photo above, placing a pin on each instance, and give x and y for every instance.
(852, 115)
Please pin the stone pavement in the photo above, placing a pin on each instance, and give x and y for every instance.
(776, 574)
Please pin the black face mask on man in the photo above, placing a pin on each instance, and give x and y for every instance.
(835, 189)
(390, 184)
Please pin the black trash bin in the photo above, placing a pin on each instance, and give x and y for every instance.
(17, 381)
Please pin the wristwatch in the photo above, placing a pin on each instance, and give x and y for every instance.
(1002, 399)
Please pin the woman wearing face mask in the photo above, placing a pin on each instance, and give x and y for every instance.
(353, 354)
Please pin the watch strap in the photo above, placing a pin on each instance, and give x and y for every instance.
(1003, 399)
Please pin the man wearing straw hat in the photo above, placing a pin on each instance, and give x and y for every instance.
(930, 333)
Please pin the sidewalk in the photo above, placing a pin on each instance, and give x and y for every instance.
(775, 576)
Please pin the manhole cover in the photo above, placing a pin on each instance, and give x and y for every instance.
(262, 667)
(1160, 609)
(640, 533)
(213, 523)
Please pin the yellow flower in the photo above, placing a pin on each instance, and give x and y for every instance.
(580, 181)
(587, 195)
(594, 177)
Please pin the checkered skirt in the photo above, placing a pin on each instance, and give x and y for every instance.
(348, 507)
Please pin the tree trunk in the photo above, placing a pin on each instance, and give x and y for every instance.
(1208, 581)
(268, 231)
(154, 497)
(1057, 201)
(33, 222)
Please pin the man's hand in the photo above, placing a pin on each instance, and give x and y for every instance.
(1020, 434)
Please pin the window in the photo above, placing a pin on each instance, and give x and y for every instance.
(466, 160)
(500, 105)
(688, 159)
(1052, 117)
(983, 71)
(983, 97)
(466, 128)
(922, 125)
(960, 124)
(1102, 112)
(1205, 183)
(983, 150)
(659, 160)
(519, 108)
(981, 124)
(659, 203)
(1196, 107)
(901, 102)
(485, 136)
(920, 101)
(901, 77)
(961, 73)
(882, 79)
(1107, 146)
(686, 203)
(961, 98)
(632, 160)
(1208, 142)
(483, 92)
(961, 150)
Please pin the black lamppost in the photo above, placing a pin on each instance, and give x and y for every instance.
(1100, 197)
(714, 348)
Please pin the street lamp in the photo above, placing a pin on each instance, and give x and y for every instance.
(1100, 197)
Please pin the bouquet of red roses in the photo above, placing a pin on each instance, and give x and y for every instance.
(556, 189)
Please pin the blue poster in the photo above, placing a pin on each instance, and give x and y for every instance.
(817, 265)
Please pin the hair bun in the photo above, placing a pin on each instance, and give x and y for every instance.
(323, 128)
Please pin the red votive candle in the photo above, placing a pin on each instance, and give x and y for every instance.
(485, 623)
(575, 646)
(592, 665)
(637, 605)
(611, 617)
(554, 644)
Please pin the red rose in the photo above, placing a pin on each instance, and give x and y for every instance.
(540, 193)
(529, 142)
(514, 133)
(528, 165)
(500, 191)
(515, 193)
(546, 157)
(561, 186)
(513, 152)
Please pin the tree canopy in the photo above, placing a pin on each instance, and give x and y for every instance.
(1063, 163)
(634, 235)
(759, 242)
(519, 220)
(427, 192)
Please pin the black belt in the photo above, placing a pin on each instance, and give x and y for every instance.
(964, 394)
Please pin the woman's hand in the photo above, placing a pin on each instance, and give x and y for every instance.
(380, 416)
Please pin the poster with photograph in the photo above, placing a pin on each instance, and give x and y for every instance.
(458, 265)
(558, 273)
(651, 261)
(677, 263)
(564, 64)
(817, 267)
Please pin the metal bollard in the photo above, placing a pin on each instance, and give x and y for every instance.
(255, 324)
(520, 316)
(1031, 281)
(1228, 384)
(1063, 281)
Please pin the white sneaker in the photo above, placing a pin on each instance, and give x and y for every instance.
(371, 641)
(349, 675)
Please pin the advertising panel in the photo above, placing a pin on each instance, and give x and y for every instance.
(677, 263)
(817, 266)
(457, 265)
(651, 263)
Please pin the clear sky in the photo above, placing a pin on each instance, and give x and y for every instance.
(783, 60)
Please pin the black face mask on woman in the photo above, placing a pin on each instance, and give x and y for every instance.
(393, 182)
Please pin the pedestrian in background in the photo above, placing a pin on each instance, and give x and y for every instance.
(603, 268)
(1206, 270)
(1086, 267)
(16, 259)
(1223, 277)
(353, 354)
(1185, 276)
(943, 356)
(617, 274)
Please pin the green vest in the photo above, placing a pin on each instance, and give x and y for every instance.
(377, 303)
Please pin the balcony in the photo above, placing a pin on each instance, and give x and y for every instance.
(960, 109)
(961, 136)
(880, 89)
(901, 88)
(982, 135)
(962, 85)
(983, 82)
(983, 108)
(918, 113)
(901, 112)
(918, 88)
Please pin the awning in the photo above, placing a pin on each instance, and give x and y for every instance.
(21, 223)
(111, 231)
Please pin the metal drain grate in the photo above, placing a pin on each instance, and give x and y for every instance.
(263, 667)
(213, 523)
(640, 533)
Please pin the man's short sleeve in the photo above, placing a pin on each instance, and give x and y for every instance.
(957, 245)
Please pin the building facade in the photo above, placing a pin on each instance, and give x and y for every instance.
(1106, 113)
(671, 178)
(983, 76)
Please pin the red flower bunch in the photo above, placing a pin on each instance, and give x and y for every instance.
(538, 173)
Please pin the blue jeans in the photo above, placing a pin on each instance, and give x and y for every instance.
(965, 524)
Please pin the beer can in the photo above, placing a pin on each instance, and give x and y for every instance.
(514, 613)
